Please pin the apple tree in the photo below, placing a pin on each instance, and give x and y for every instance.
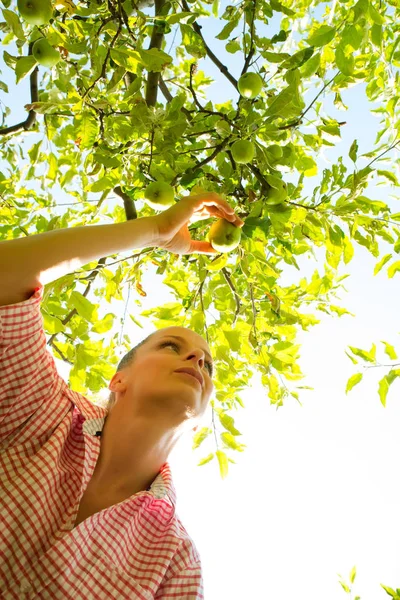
(117, 106)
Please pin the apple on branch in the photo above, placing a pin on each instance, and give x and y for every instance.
(224, 236)
(35, 12)
(250, 85)
(277, 192)
(45, 54)
(243, 151)
(159, 195)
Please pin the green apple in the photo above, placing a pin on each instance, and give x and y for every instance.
(277, 192)
(224, 236)
(45, 54)
(159, 195)
(243, 151)
(35, 12)
(250, 85)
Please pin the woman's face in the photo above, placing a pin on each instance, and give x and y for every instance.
(152, 384)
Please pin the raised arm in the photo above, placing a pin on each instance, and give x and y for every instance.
(41, 258)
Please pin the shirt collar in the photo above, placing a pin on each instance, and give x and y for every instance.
(93, 416)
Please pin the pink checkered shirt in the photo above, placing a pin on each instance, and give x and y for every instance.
(48, 451)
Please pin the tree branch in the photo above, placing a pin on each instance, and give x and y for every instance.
(157, 37)
(31, 118)
(224, 70)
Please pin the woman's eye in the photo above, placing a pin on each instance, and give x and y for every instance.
(209, 365)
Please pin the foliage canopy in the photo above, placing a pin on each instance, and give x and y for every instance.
(120, 110)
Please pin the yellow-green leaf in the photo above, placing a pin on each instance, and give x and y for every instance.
(375, 16)
(105, 324)
(52, 324)
(231, 442)
(218, 264)
(344, 62)
(348, 250)
(15, 24)
(354, 379)
(321, 36)
(390, 351)
(345, 586)
(206, 459)
(382, 263)
(353, 360)
(223, 463)
(200, 436)
(353, 574)
(228, 423)
(393, 269)
(383, 389)
(24, 66)
(83, 306)
(368, 356)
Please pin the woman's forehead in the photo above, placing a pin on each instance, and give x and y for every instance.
(187, 335)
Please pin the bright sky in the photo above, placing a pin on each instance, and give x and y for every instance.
(316, 490)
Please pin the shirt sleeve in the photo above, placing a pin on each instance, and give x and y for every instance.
(186, 585)
(28, 373)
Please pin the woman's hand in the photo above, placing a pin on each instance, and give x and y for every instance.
(171, 226)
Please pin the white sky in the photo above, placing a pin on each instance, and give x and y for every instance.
(316, 490)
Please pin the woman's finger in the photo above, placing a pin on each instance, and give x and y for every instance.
(201, 247)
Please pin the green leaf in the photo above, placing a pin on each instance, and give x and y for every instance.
(390, 351)
(360, 9)
(280, 37)
(321, 36)
(393, 269)
(125, 58)
(155, 60)
(13, 21)
(383, 389)
(52, 324)
(279, 7)
(275, 57)
(389, 175)
(298, 59)
(24, 67)
(376, 35)
(105, 324)
(227, 30)
(311, 66)
(87, 129)
(344, 63)
(354, 379)
(382, 263)
(375, 16)
(218, 264)
(352, 35)
(83, 306)
(353, 151)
